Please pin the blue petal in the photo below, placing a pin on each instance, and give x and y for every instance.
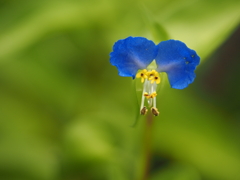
(131, 54)
(178, 61)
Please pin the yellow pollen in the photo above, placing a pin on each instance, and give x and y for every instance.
(142, 74)
(152, 95)
(146, 94)
(154, 77)
(152, 73)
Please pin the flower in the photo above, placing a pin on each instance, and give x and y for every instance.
(172, 57)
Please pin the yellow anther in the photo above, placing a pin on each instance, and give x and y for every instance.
(154, 77)
(152, 73)
(148, 96)
(142, 74)
(153, 95)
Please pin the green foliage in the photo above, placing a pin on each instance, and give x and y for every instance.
(66, 114)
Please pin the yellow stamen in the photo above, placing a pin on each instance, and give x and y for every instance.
(152, 73)
(142, 74)
(152, 95)
(146, 94)
(153, 76)
(151, 79)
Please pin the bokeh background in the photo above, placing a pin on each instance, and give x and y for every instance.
(65, 114)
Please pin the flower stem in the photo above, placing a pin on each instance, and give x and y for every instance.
(147, 146)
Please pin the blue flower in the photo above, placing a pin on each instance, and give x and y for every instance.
(172, 56)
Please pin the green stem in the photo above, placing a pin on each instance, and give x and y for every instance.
(147, 146)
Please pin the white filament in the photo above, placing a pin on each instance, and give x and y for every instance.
(154, 87)
(143, 97)
(149, 88)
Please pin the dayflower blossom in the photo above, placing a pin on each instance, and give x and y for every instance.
(133, 55)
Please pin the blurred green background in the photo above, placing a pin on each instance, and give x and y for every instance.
(65, 114)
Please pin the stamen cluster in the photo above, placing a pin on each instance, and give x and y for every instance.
(150, 79)
(152, 76)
